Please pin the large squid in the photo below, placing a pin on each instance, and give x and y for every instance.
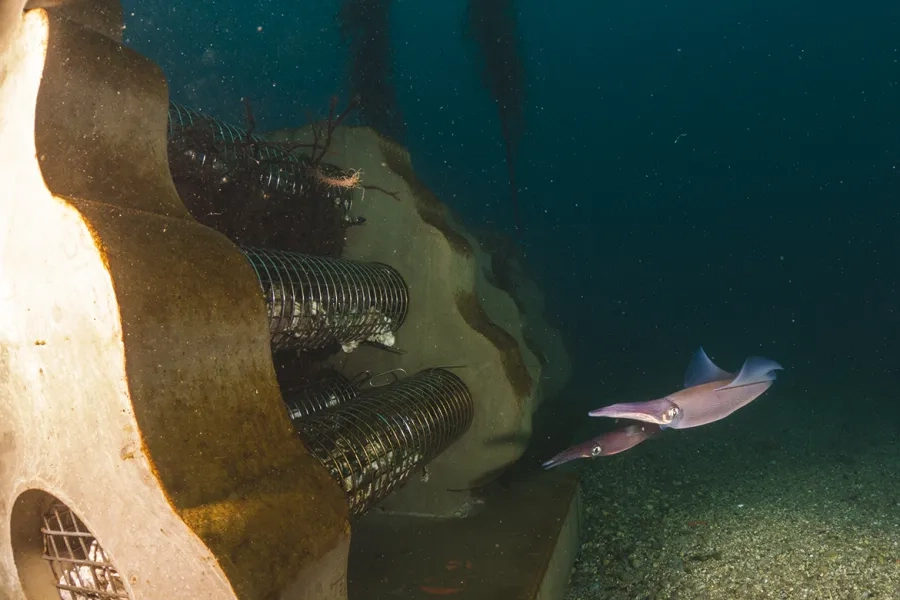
(709, 394)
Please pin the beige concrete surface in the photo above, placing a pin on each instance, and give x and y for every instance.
(136, 382)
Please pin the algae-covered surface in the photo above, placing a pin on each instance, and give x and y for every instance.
(807, 509)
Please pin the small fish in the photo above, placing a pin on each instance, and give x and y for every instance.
(607, 444)
(709, 394)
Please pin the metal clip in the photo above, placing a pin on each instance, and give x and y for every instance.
(390, 377)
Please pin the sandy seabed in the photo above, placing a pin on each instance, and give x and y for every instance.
(745, 510)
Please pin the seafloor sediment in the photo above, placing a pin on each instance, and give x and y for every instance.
(746, 509)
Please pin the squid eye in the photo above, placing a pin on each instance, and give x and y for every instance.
(671, 413)
(596, 451)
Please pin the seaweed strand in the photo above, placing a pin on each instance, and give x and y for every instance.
(365, 26)
(493, 26)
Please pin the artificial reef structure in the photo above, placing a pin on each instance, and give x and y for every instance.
(225, 353)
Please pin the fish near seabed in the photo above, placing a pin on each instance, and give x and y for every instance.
(607, 444)
(709, 394)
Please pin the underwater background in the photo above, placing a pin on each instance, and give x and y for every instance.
(688, 173)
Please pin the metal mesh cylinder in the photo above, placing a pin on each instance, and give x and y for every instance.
(373, 445)
(215, 147)
(313, 302)
(329, 389)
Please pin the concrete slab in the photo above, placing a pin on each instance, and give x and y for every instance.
(518, 545)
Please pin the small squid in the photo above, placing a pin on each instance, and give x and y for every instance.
(709, 394)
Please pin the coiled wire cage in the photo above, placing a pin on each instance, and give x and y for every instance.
(81, 569)
(313, 302)
(218, 147)
(327, 390)
(376, 443)
(222, 151)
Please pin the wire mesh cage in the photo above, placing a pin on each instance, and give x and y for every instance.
(81, 569)
(375, 444)
(218, 147)
(313, 302)
(218, 152)
(327, 390)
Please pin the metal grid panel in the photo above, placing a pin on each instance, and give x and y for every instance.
(313, 302)
(81, 569)
(373, 445)
(330, 389)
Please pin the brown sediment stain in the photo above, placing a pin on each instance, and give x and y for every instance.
(238, 477)
(510, 355)
(534, 347)
(7, 442)
(502, 270)
(435, 213)
(431, 210)
(238, 526)
(197, 351)
(530, 342)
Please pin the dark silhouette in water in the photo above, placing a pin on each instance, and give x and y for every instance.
(493, 26)
(365, 26)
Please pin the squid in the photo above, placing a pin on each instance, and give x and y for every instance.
(709, 395)
(607, 444)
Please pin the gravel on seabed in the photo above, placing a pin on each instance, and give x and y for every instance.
(736, 511)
